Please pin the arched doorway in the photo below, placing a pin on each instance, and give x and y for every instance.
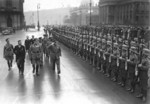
(9, 22)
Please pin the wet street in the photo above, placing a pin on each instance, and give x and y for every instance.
(79, 83)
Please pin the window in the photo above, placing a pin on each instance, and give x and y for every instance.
(8, 3)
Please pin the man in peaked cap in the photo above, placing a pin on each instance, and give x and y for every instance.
(8, 53)
(55, 54)
(27, 43)
(143, 73)
(19, 51)
(35, 56)
(44, 45)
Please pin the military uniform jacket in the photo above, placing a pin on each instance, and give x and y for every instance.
(113, 61)
(35, 52)
(8, 51)
(32, 41)
(143, 72)
(55, 52)
(27, 44)
(19, 52)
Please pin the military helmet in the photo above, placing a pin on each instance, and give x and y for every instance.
(124, 47)
(115, 46)
(133, 44)
(103, 41)
(146, 52)
(109, 43)
(133, 49)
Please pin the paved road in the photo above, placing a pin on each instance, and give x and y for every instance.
(78, 83)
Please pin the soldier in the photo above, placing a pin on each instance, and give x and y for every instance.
(8, 53)
(44, 44)
(132, 67)
(103, 57)
(32, 40)
(55, 53)
(41, 58)
(95, 52)
(27, 44)
(123, 66)
(35, 56)
(99, 54)
(19, 51)
(115, 63)
(108, 58)
(143, 74)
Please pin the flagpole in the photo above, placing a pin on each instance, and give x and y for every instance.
(38, 23)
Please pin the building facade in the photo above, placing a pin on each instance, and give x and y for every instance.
(124, 12)
(11, 13)
(81, 15)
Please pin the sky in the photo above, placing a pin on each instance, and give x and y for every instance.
(31, 5)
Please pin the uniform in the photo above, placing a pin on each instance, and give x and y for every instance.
(41, 55)
(8, 54)
(44, 44)
(55, 53)
(115, 63)
(132, 67)
(123, 66)
(27, 44)
(35, 56)
(19, 51)
(108, 58)
(103, 57)
(143, 73)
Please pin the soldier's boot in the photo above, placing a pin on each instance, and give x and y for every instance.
(93, 61)
(123, 82)
(11, 63)
(33, 68)
(8, 63)
(37, 70)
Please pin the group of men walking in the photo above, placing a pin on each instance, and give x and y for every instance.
(121, 53)
(37, 49)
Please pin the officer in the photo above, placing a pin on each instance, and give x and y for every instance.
(55, 53)
(27, 43)
(41, 58)
(44, 44)
(35, 56)
(8, 53)
(32, 40)
(143, 73)
(132, 67)
(19, 51)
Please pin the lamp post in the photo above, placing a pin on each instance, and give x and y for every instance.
(80, 16)
(38, 22)
(90, 11)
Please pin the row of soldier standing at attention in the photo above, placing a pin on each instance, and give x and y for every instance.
(120, 53)
(37, 49)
